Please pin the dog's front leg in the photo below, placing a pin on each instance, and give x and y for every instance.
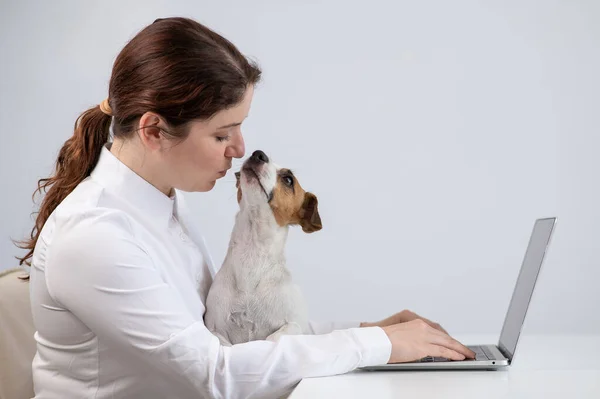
(291, 328)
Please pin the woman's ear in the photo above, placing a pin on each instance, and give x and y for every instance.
(310, 220)
(150, 130)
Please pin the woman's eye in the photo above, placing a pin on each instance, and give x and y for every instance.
(222, 138)
(288, 181)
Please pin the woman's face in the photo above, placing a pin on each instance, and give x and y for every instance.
(196, 163)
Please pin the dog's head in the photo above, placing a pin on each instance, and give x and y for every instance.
(260, 181)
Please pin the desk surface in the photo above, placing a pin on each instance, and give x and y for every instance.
(545, 366)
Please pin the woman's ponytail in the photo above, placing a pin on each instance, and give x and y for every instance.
(76, 160)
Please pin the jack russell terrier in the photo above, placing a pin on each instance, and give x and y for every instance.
(252, 296)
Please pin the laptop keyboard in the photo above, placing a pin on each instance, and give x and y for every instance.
(481, 353)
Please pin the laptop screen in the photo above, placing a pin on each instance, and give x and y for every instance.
(534, 256)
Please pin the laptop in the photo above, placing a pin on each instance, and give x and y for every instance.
(491, 357)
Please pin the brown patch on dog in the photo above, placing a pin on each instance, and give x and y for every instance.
(237, 185)
(310, 220)
(292, 205)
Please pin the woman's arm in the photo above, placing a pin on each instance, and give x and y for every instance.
(325, 327)
(104, 277)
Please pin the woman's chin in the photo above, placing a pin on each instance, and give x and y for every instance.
(206, 186)
(200, 187)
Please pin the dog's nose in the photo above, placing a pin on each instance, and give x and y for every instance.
(260, 156)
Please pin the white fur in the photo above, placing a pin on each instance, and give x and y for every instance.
(252, 296)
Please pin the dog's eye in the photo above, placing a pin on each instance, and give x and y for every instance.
(288, 180)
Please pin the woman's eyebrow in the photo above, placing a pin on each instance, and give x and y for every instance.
(230, 125)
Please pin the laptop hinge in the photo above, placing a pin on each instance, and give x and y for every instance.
(504, 352)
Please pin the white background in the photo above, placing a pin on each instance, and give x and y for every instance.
(432, 132)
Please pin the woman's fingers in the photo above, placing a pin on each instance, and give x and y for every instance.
(414, 339)
(452, 344)
(440, 351)
(407, 315)
(437, 326)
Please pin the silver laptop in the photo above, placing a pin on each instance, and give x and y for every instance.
(501, 355)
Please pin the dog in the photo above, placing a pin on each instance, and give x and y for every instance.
(252, 296)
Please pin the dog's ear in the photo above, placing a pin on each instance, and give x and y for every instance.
(310, 220)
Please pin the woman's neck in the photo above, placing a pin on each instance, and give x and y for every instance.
(132, 155)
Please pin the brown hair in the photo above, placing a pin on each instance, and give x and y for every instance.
(175, 67)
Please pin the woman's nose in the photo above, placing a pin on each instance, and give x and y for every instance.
(237, 149)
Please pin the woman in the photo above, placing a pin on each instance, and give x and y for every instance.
(119, 276)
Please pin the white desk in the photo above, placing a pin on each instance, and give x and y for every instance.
(548, 366)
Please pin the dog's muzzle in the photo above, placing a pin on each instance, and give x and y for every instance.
(258, 158)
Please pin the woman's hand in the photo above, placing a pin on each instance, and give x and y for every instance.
(403, 317)
(416, 339)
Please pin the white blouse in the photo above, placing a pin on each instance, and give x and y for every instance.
(119, 280)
